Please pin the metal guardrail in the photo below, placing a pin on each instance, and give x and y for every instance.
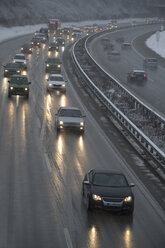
(153, 150)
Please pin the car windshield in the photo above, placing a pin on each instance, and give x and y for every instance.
(19, 57)
(70, 113)
(53, 61)
(12, 65)
(56, 78)
(19, 80)
(110, 180)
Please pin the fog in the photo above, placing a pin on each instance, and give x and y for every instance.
(20, 12)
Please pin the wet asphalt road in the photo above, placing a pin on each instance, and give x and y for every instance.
(150, 92)
(41, 174)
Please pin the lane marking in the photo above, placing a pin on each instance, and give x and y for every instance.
(67, 238)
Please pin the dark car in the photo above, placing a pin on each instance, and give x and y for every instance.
(53, 65)
(36, 41)
(108, 190)
(26, 48)
(60, 41)
(109, 47)
(18, 85)
(138, 75)
(44, 31)
(150, 62)
(53, 46)
(126, 45)
(11, 69)
(119, 39)
(114, 55)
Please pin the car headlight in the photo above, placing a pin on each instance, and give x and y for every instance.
(38, 43)
(59, 66)
(11, 88)
(96, 197)
(30, 49)
(47, 65)
(63, 85)
(24, 62)
(21, 48)
(50, 84)
(61, 122)
(26, 89)
(82, 123)
(18, 71)
(6, 70)
(128, 199)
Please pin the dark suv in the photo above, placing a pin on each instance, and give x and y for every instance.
(150, 62)
(18, 85)
(138, 75)
(11, 69)
(53, 65)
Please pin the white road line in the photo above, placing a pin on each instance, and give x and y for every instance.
(67, 237)
(47, 162)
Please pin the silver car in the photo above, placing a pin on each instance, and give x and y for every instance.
(70, 118)
(56, 82)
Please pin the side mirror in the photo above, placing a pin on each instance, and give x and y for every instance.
(8, 81)
(86, 182)
(83, 115)
(29, 82)
(132, 185)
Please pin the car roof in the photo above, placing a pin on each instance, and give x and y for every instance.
(71, 108)
(107, 171)
(20, 54)
(55, 75)
(139, 71)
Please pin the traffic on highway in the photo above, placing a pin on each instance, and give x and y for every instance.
(69, 177)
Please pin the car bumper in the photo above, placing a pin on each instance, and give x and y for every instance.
(113, 206)
(56, 87)
(71, 128)
(20, 92)
(50, 69)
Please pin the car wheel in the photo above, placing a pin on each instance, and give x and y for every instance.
(9, 94)
(131, 210)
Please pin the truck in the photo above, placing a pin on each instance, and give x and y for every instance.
(54, 24)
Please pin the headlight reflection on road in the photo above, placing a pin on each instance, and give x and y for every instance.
(60, 144)
(48, 108)
(93, 239)
(63, 101)
(81, 143)
(128, 238)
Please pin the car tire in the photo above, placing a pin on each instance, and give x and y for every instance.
(88, 204)
(131, 210)
(9, 94)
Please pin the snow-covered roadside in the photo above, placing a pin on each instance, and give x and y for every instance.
(156, 42)
(8, 33)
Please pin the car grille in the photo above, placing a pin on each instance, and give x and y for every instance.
(109, 199)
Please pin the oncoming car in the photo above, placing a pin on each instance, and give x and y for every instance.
(18, 85)
(109, 190)
(56, 82)
(53, 46)
(26, 48)
(53, 65)
(137, 75)
(126, 45)
(11, 69)
(20, 59)
(70, 118)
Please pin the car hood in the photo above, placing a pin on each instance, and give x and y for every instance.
(70, 119)
(117, 192)
(56, 82)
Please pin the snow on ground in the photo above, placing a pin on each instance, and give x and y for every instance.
(156, 42)
(8, 33)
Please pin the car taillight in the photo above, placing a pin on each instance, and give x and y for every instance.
(145, 76)
(110, 54)
(105, 47)
(133, 76)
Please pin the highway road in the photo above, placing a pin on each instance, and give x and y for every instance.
(150, 92)
(41, 172)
